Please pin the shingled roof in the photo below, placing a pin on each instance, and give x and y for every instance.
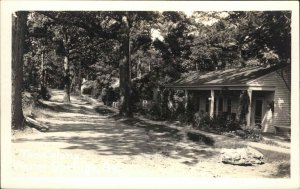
(229, 77)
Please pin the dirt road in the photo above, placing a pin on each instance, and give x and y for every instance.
(86, 141)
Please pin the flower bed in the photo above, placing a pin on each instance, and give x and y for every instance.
(228, 127)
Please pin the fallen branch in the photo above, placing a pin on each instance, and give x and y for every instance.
(34, 124)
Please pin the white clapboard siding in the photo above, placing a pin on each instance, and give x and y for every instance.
(282, 96)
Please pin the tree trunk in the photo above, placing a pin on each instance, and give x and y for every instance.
(79, 79)
(42, 78)
(18, 38)
(86, 75)
(149, 66)
(67, 80)
(125, 83)
(138, 69)
(240, 57)
(42, 71)
(45, 78)
(129, 53)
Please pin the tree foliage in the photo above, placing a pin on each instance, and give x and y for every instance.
(145, 50)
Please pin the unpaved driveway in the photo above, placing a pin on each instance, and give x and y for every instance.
(86, 141)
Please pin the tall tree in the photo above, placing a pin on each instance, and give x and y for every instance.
(38, 46)
(125, 26)
(175, 47)
(18, 40)
(107, 26)
(69, 38)
(124, 67)
(135, 34)
(263, 35)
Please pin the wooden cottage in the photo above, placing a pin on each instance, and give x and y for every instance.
(219, 92)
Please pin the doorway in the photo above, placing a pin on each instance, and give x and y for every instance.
(258, 111)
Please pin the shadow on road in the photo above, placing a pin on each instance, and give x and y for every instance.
(97, 133)
(84, 127)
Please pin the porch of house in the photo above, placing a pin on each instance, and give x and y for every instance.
(226, 103)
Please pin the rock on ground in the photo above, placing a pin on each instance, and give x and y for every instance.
(242, 156)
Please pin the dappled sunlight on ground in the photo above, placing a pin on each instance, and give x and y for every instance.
(86, 140)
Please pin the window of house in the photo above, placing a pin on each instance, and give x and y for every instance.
(229, 105)
(207, 105)
(215, 106)
(220, 107)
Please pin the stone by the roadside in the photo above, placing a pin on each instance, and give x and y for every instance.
(242, 156)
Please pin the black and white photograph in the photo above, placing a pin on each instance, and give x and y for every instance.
(182, 95)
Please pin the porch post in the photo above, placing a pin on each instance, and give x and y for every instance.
(212, 100)
(186, 94)
(249, 91)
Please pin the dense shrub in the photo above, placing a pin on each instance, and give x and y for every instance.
(232, 125)
(87, 87)
(251, 134)
(180, 111)
(189, 112)
(109, 95)
(155, 112)
(163, 104)
(44, 93)
(151, 110)
(96, 91)
(215, 124)
(87, 90)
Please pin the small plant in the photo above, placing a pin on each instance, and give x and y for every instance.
(232, 125)
(240, 133)
(202, 122)
(254, 135)
(270, 142)
(196, 120)
(251, 134)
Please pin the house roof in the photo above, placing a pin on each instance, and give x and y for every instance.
(229, 77)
